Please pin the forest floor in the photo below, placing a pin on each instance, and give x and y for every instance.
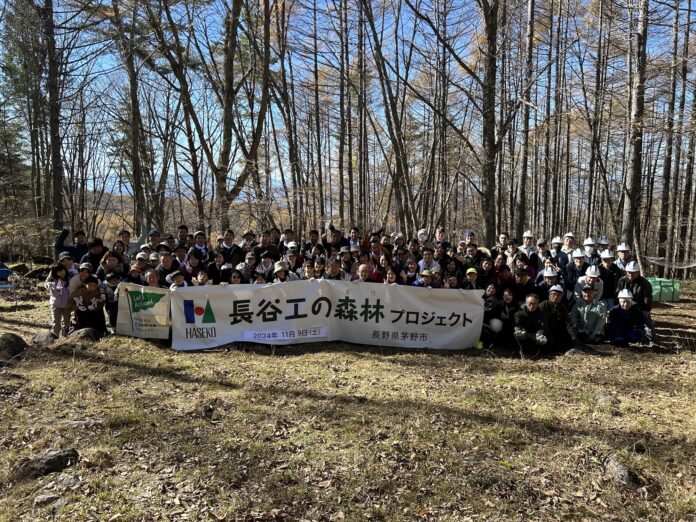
(342, 432)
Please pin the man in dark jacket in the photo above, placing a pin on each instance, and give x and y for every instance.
(78, 248)
(523, 286)
(561, 331)
(167, 266)
(559, 256)
(265, 246)
(95, 253)
(610, 274)
(575, 269)
(642, 292)
(531, 330)
(233, 253)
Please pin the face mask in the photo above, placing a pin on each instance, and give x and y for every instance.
(588, 250)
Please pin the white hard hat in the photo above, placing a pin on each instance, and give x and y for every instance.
(569, 234)
(593, 271)
(632, 267)
(549, 272)
(495, 325)
(625, 294)
(588, 241)
(528, 233)
(623, 247)
(556, 288)
(556, 240)
(578, 253)
(607, 253)
(603, 240)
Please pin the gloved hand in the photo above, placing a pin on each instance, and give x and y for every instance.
(520, 333)
(541, 338)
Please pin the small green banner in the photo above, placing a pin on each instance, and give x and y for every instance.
(144, 300)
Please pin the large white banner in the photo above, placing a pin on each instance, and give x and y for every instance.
(143, 311)
(322, 310)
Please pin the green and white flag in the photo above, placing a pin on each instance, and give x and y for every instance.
(143, 311)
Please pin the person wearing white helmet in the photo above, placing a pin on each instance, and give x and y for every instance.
(558, 254)
(549, 279)
(549, 263)
(528, 246)
(610, 275)
(589, 316)
(626, 323)
(623, 256)
(575, 269)
(602, 243)
(642, 292)
(568, 243)
(561, 331)
(591, 254)
(591, 278)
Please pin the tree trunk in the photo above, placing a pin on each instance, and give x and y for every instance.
(54, 104)
(521, 201)
(631, 221)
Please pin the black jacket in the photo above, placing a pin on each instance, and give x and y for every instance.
(558, 322)
(532, 322)
(76, 251)
(640, 288)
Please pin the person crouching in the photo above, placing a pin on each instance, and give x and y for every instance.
(531, 329)
(626, 324)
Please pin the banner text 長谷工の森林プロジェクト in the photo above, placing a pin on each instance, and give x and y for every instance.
(322, 310)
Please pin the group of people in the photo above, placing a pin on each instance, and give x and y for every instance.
(538, 295)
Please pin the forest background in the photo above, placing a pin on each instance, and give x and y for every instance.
(549, 115)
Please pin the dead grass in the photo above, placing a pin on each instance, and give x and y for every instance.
(339, 432)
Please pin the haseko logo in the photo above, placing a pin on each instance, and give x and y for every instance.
(192, 312)
(199, 314)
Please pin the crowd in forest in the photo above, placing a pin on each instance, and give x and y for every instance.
(538, 295)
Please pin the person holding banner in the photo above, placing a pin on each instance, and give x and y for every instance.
(425, 279)
(307, 271)
(281, 273)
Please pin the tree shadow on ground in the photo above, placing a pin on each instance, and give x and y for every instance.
(5, 320)
(354, 409)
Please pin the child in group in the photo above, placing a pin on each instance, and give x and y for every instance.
(57, 285)
(178, 280)
(89, 306)
(110, 286)
(202, 279)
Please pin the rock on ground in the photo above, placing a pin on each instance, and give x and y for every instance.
(19, 268)
(43, 339)
(84, 334)
(40, 272)
(11, 347)
(50, 461)
(43, 500)
(620, 473)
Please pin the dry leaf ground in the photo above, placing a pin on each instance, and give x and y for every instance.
(339, 432)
